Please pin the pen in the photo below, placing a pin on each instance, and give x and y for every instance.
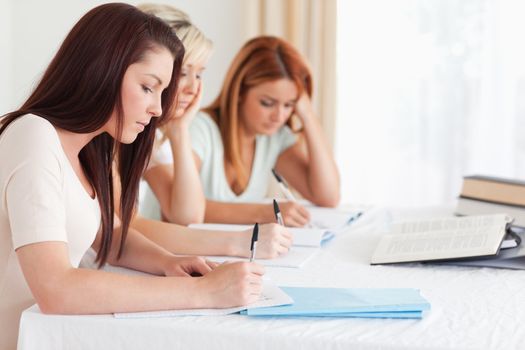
(284, 187)
(255, 236)
(278, 215)
(355, 217)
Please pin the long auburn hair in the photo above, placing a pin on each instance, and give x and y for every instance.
(81, 88)
(262, 59)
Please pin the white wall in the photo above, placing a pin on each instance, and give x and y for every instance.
(5, 54)
(32, 30)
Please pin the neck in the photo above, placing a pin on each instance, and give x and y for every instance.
(246, 138)
(74, 142)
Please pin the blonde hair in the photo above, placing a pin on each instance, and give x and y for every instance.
(262, 59)
(196, 45)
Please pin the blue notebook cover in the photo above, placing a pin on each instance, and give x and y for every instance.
(397, 314)
(343, 302)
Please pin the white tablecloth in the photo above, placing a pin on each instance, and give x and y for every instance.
(471, 308)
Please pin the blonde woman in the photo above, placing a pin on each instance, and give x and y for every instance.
(175, 193)
(173, 176)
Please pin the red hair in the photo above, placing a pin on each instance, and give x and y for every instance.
(262, 59)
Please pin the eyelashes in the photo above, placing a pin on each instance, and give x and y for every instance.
(146, 89)
(266, 103)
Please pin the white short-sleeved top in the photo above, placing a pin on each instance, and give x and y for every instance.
(41, 199)
(207, 143)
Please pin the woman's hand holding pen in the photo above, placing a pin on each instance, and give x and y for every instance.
(294, 214)
(230, 285)
(274, 240)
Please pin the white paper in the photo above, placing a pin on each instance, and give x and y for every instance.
(329, 218)
(305, 237)
(271, 296)
(295, 258)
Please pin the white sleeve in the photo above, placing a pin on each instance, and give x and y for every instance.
(201, 135)
(161, 155)
(287, 138)
(34, 195)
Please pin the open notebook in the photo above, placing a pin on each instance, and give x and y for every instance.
(330, 218)
(297, 256)
(302, 237)
(442, 239)
(271, 296)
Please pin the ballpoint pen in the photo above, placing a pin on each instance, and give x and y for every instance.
(284, 187)
(278, 215)
(255, 237)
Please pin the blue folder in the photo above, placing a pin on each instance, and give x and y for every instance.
(353, 302)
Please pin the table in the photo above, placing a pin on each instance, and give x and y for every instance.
(472, 308)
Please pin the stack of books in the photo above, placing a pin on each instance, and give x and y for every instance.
(491, 195)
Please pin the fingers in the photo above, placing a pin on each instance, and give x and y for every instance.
(304, 212)
(212, 264)
(296, 221)
(295, 215)
(178, 271)
(235, 283)
(286, 238)
(256, 269)
(190, 266)
(201, 267)
(275, 240)
(195, 103)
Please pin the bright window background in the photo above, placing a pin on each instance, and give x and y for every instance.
(428, 91)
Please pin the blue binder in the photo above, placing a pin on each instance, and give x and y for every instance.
(342, 302)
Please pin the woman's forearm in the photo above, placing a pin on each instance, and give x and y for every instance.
(323, 176)
(187, 201)
(183, 240)
(238, 213)
(62, 289)
(139, 253)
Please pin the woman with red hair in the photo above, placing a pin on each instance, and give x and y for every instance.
(263, 119)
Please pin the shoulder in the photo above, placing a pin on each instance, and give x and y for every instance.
(284, 136)
(203, 129)
(285, 132)
(30, 137)
(279, 141)
(204, 122)
(30, 126)
(205, 136)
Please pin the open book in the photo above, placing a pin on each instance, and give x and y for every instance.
(442, 239)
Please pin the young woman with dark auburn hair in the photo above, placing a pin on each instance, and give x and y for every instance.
(249, 129)
(113, 79)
